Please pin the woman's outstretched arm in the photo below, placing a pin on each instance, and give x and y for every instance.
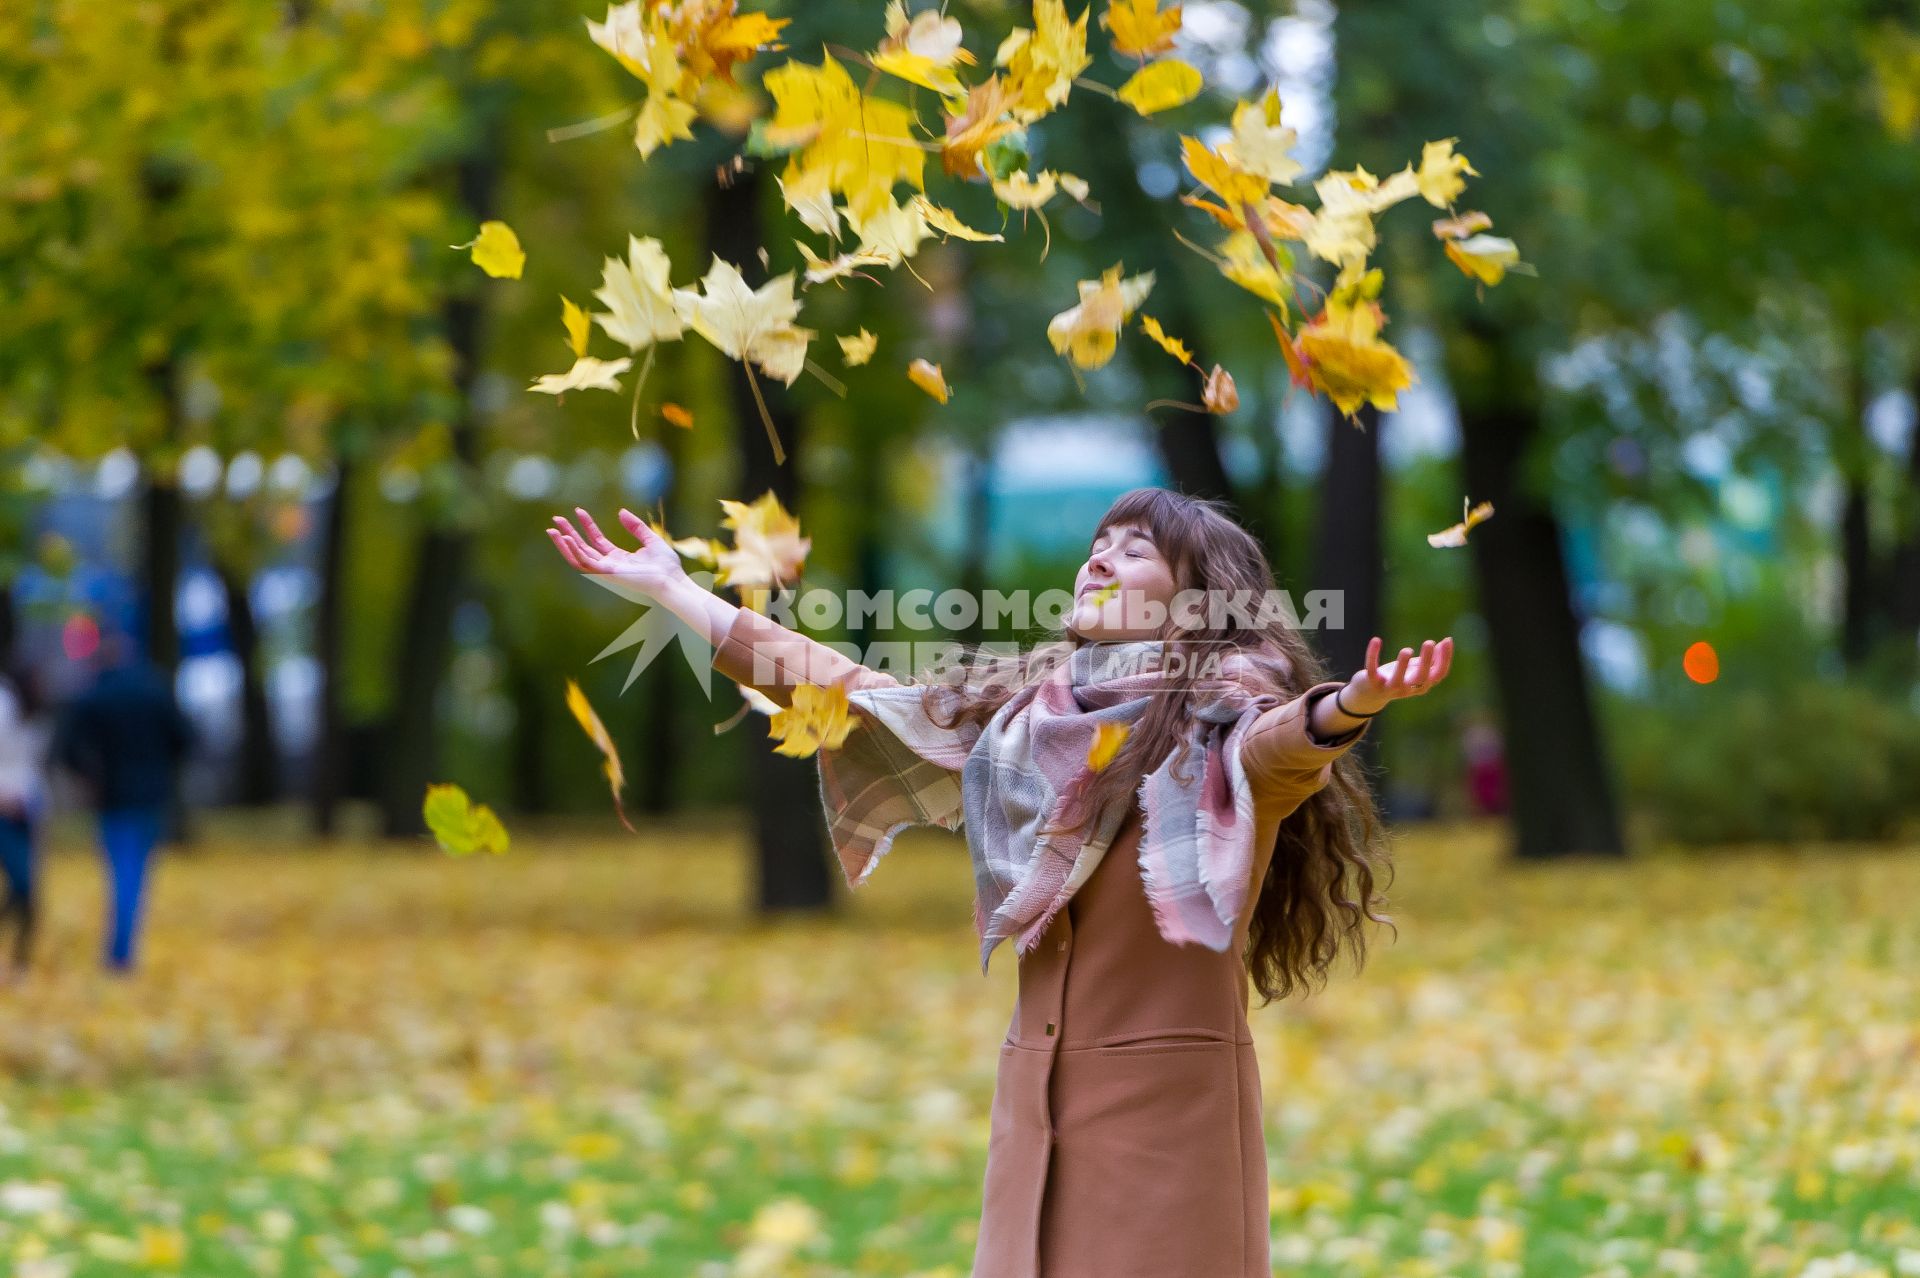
(749, 648)
(1290, 750)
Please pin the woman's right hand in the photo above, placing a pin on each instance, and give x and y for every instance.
(652, 570)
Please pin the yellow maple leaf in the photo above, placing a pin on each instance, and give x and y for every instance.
(927, 376)
(1041, 63)
(583, 714)
(1140, 29)
(1220, 174)
(1171, 345)
(587, 373)
(1107, 740)
(1347, 360)
(1089, 332)
(1486, 258)
(1457, 535)
(460, 826)
(857, 145)
(638, 297)
(816, 719)
(1260, 144)
(497, 251)
(1161, 86)
(974, 125)
(1439, 177)
(922, 50)
(767, 549)
(578, 326)
(858, 349)
(662, 120)
(745, 323)
(948, 223)
(890, 233)
(1019, 191)
(1247, 266)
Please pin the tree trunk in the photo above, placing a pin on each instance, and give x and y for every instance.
(328, 779)
(1903, 567)
(439, 577)
(782, 794)
(1349, 553)
(1563, 793)
(259, 778)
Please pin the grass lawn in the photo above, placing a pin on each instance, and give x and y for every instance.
(583, 1058)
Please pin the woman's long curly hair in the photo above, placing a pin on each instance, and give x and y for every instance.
(1320, 887)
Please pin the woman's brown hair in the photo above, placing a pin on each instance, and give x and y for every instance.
(1320, 889)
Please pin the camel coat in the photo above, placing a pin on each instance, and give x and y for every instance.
(1125, 1139)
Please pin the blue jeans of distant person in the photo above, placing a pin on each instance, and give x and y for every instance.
(17, 901)
(127, 836)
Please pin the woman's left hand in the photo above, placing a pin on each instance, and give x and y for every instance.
(1369, 691)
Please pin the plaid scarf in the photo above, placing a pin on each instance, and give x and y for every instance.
(1007, 780)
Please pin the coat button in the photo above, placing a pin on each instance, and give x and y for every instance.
(1062, 945)
(1049, 1028)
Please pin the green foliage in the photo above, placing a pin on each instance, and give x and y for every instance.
(1812, 760)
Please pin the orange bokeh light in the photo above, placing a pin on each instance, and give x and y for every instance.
(1701, 662)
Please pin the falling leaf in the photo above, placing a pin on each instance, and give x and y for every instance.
(746, 323)
(858, 349)
(1042, 63)
(1089, 332)
(1243, 262)
(1486, 258)
(922, 50)
(1260, 145)
(461, 826)
(1221, 175)
(928, 377)
(1161, 86)
(1439, 177)
(639, 300)
(496, 250)
(1297, 371)
(676, 415)
(817, 719)
(768, 549)
(587, 373)
(973, 126)
(596, 731)
(579, 327)
(1140, 29)
(1345, 356)
(1107, 740)
(1019, 191)
(1219, 393)
(844, 140)
(1457, 535)
(947, 222)
(1171, 345)
(1459, 228)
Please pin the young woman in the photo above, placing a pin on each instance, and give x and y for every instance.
(1228, 844)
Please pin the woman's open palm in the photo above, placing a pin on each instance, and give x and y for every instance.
(650, 569)
(1371, 689)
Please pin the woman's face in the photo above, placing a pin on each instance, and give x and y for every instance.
(1116, 590)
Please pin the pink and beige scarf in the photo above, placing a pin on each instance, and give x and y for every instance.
(1003, 782)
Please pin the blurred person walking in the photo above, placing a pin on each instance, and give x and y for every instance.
(125, 737)
(24, 736)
